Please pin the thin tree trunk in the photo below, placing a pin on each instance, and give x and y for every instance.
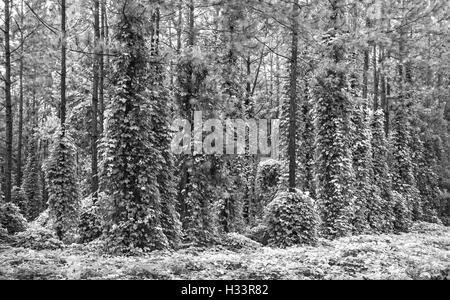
(8, 105)
(387, 110)
(20, 125)
(101, 82)
(293, 99)
(179, 25)
(278, 85)
(94, 103)
(63, 67)
(375, 78)
(382, 81)
(366, 69)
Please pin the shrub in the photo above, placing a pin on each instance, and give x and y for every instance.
(19, 198)
(37, 238)
(11, 218)
(44, 220)
(292, 219)
(4, 236)
(235, 241)
(402, 212)
(444, 208)
(90, 226)
(267, 180)
(258, 234)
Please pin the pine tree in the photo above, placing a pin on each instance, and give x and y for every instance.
(63, 192)
(31, 182)
(129, 178)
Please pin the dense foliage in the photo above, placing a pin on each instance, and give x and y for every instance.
(292, 219)
(90, 88)
(64, 201)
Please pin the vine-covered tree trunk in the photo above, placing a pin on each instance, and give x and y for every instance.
(130, 143)
(334, 172)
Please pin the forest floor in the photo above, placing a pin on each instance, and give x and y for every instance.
(424, 253)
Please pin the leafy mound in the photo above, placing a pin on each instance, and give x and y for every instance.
(235, 241)
(11, 218)
(90, 227)
(37, 238)
(292, 219)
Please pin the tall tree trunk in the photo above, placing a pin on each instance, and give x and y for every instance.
(101, 82)
(20, 125)
(366, 69)
(293, 98)
(383, 96)
(179, 25)
(94, 103)
(375, 78)
(278, 85)
(387, 109)
(8, 105)
(62, 113)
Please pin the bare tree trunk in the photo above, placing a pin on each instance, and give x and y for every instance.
(63, 67)
(179, 25)
(375, 78)
(293, 98)
(383, 96)
(366, 69)
(94, 103)
(101, 82)
(8, 105)
(20, 129)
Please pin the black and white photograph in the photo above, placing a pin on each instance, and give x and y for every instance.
(221, 146)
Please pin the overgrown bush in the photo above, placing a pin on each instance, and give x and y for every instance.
(11, 219)
(19, 198)
(258, 234)
(267, 179)
(37, 238)
(444, 208)
(44, 220)
(402, 212)
(4, 236)
(292, 219)
(235, 241)
(90, 226)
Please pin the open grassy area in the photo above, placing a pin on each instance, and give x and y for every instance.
(422, 254)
